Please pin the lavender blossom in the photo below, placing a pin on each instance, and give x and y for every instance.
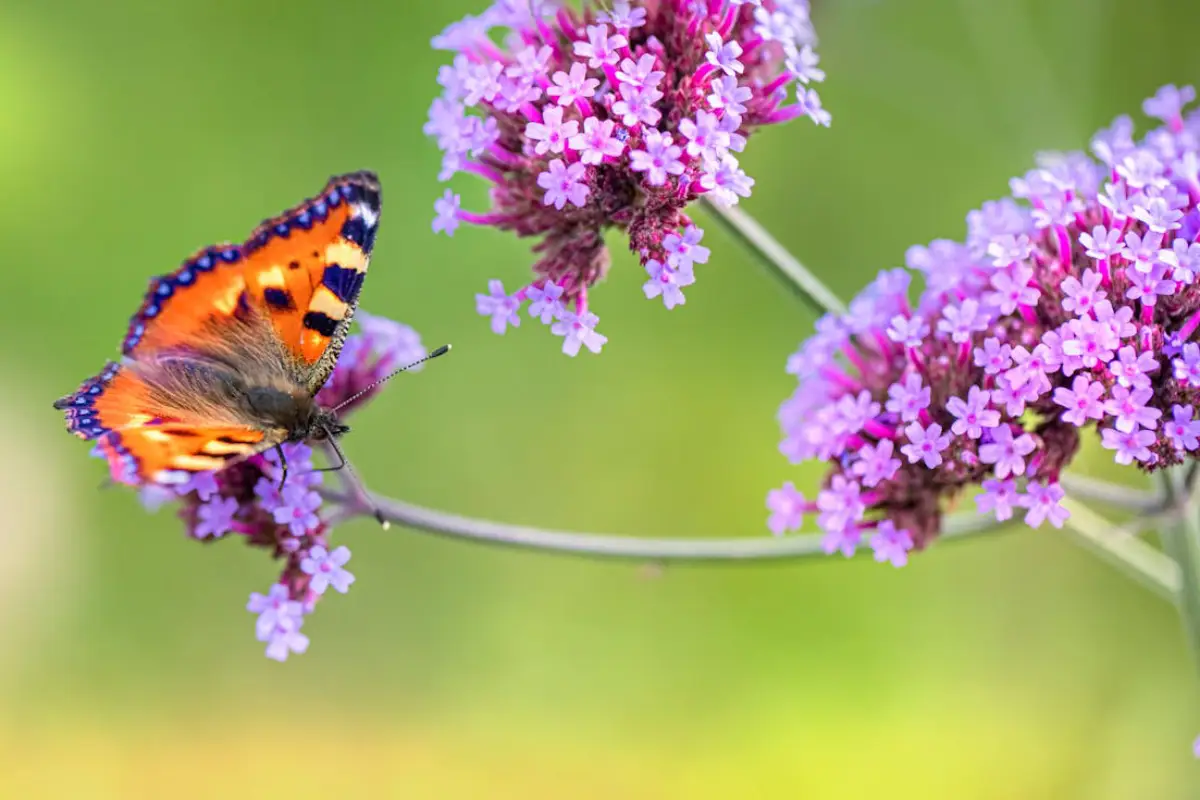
(787, 507)
(214, 517)
(327, 569)
(615, 115)
(891, 544)
(1072, 304)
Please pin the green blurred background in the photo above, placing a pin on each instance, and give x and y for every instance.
(1011, 667)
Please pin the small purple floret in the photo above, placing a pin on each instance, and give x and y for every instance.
(327, 569)
(298, 509)
(787, 507)
(891, 544)
(214, 518)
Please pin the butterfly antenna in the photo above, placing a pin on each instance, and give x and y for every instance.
(355, 484)
(441, 351)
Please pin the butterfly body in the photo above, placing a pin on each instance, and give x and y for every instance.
(226, 355)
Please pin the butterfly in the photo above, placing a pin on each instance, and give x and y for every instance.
(227, 353)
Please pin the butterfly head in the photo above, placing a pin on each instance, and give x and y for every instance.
(294, 412)
(325, 425)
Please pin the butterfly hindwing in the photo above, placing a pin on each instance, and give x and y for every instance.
(183, 410)
(305, 269)
(145, 437)
(169, 452)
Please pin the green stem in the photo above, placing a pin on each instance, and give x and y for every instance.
(1181, 541)
(1123, 550)
(614, 546)
(1114, 495)
(775, 256)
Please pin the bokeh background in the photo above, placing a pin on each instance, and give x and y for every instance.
(1011, 667)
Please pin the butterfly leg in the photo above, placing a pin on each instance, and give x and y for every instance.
(283, 467)
(341, 459)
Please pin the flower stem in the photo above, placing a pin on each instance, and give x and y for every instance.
(753, 548)
(1181, 541)
(1123, 550)
(754, 236)
(1114, 495)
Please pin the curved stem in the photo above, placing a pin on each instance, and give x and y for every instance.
(1121, 548)
(594, 545)
(775, 256)
(1112, 494)
(1181, 541)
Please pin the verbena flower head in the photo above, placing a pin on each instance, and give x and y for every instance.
(618, 115)
(1072, 304)
(246, 501)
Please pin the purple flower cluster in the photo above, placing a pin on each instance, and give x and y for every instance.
(619, 115)
(1073, 303)
(247, 501)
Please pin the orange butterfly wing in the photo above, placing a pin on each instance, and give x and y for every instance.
(328, 238)
(169, 452)
(208, 286)
(142, 441)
